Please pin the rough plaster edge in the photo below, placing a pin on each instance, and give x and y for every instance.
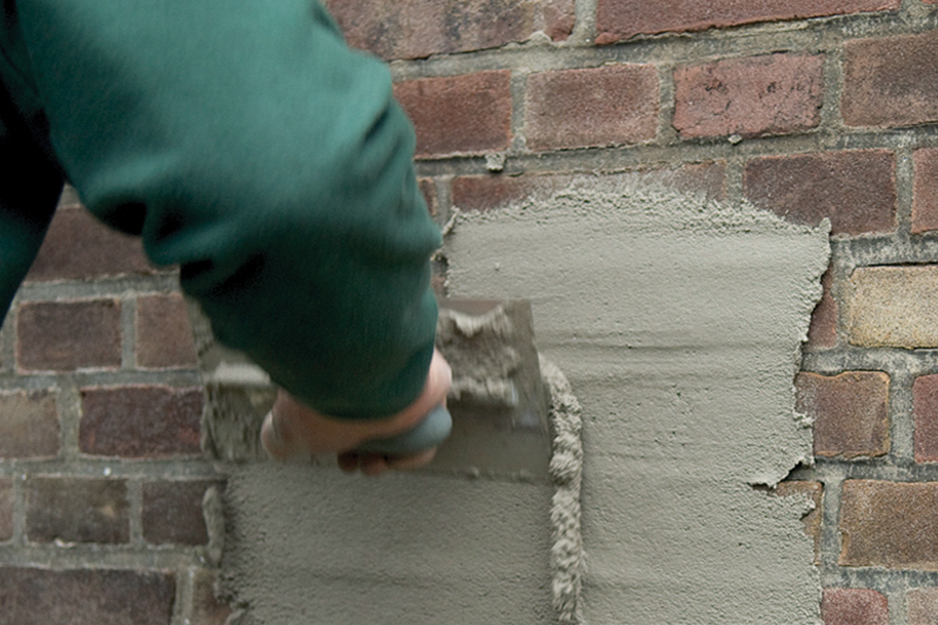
(566, 472)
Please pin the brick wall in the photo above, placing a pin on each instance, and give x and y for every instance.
(808, 108)
(101, 475)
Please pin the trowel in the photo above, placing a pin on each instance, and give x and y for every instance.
(495, 422)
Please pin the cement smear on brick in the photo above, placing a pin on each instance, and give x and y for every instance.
(678, 325)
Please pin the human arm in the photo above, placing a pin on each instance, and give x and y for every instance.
(247, 144)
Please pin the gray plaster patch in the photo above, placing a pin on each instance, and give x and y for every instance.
(678, 324)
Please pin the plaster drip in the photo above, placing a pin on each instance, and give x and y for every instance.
(566, 472)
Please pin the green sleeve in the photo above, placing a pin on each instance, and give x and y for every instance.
(245, 142)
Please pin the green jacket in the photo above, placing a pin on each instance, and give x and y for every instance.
(246, 143)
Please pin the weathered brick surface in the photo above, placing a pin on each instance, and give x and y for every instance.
(850, 412)
(467, 114)
(140, 421)
(64, 336)
(172, 512)
(812, 520)
(486, 192)
(925, 415)
(78, 246)
(613, 105)
(6, 508)
(823, 329)
(889, 524)
(206, 608)
(854, 606)
(428, 189)
(891, 81)
(621, 19)
(922, 606)
(164, 335)
(855, 189)
(411, 29)
(765, 95)
(31, 596)
(29, 425)
(925, 193)
(77, 510)
(892, 306)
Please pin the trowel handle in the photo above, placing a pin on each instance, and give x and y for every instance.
(427, 434)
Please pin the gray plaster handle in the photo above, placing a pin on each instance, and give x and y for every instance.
(427, 434)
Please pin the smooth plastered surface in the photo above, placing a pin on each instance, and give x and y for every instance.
(678, 325)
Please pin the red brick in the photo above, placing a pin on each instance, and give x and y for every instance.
(922, 605)
(6, 509)
(410, 29)
(765, 95)
(855, 189)
(77, 510)
(31, 596)
(172, 512)
(891, 81)
(850, 412)
(925, 193)
(29, 425)
(812, 520)
(621, 19)
(428, 189)
(925, 414)
(889, 524)
(613, 105)
(164, 334)
(468, 114)
(823, 329)
(854, 606)
(140, 421)
(497, 191)
(206, 608)
(64, 336)
(78, 246)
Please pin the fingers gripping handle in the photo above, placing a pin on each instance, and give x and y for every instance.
(425, 435)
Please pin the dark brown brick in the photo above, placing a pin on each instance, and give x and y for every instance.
(172, 512)
(6, 509)
(497, 191)
(411, 29)
(140, 421)
(765, 95)
(892, 81)
(925, 414)
(889, 524)
(29, 425)
(854, 606)
(613, 105)
(86, 597)
(78, 246)
(77, 510)
(855, 189)
(621, 19)
(468, 114)
(850, 412)
(925, 193)
(823, 329)
(812, 520)
(164, 334)
(206, 608)
(64, 336)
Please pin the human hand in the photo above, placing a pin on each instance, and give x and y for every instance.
(292, 428)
